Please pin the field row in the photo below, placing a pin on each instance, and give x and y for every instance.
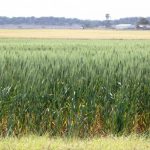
(74, 34)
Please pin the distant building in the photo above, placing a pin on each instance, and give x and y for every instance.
(124, 26)
(143, 27)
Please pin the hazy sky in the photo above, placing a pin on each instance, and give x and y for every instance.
(83, 9)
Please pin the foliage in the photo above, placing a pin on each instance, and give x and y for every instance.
(143, 21)
(60, 21)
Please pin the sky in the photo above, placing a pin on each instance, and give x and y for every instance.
(82, 9)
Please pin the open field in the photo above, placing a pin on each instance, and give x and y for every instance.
(74, 87)
(45, 143)
(74, 34)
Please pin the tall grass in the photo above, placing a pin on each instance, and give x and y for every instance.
(75, 88)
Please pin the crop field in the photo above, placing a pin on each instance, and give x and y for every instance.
(74, 87)
(74, 34)
(46, 143)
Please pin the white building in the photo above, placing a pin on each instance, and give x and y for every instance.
(124, 26)
(144, 27)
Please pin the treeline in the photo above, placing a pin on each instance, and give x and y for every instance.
(132, 20)
(48, 21)
(61, 21)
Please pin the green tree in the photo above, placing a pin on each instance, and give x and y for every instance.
(143, 21)
(107, 20)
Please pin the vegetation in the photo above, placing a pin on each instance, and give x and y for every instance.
(73, 87)
(65, 21)
(143, 21)
(107, 20)
(46, 143)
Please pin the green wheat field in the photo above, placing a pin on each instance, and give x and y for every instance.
(74, 88)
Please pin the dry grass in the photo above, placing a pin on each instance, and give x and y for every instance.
(45, 143)
(74, 34)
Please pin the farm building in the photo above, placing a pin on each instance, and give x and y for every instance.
(144, 27)
(124, 26)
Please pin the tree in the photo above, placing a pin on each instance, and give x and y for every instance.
(107, 16)
(143, 21)
(107, 20)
